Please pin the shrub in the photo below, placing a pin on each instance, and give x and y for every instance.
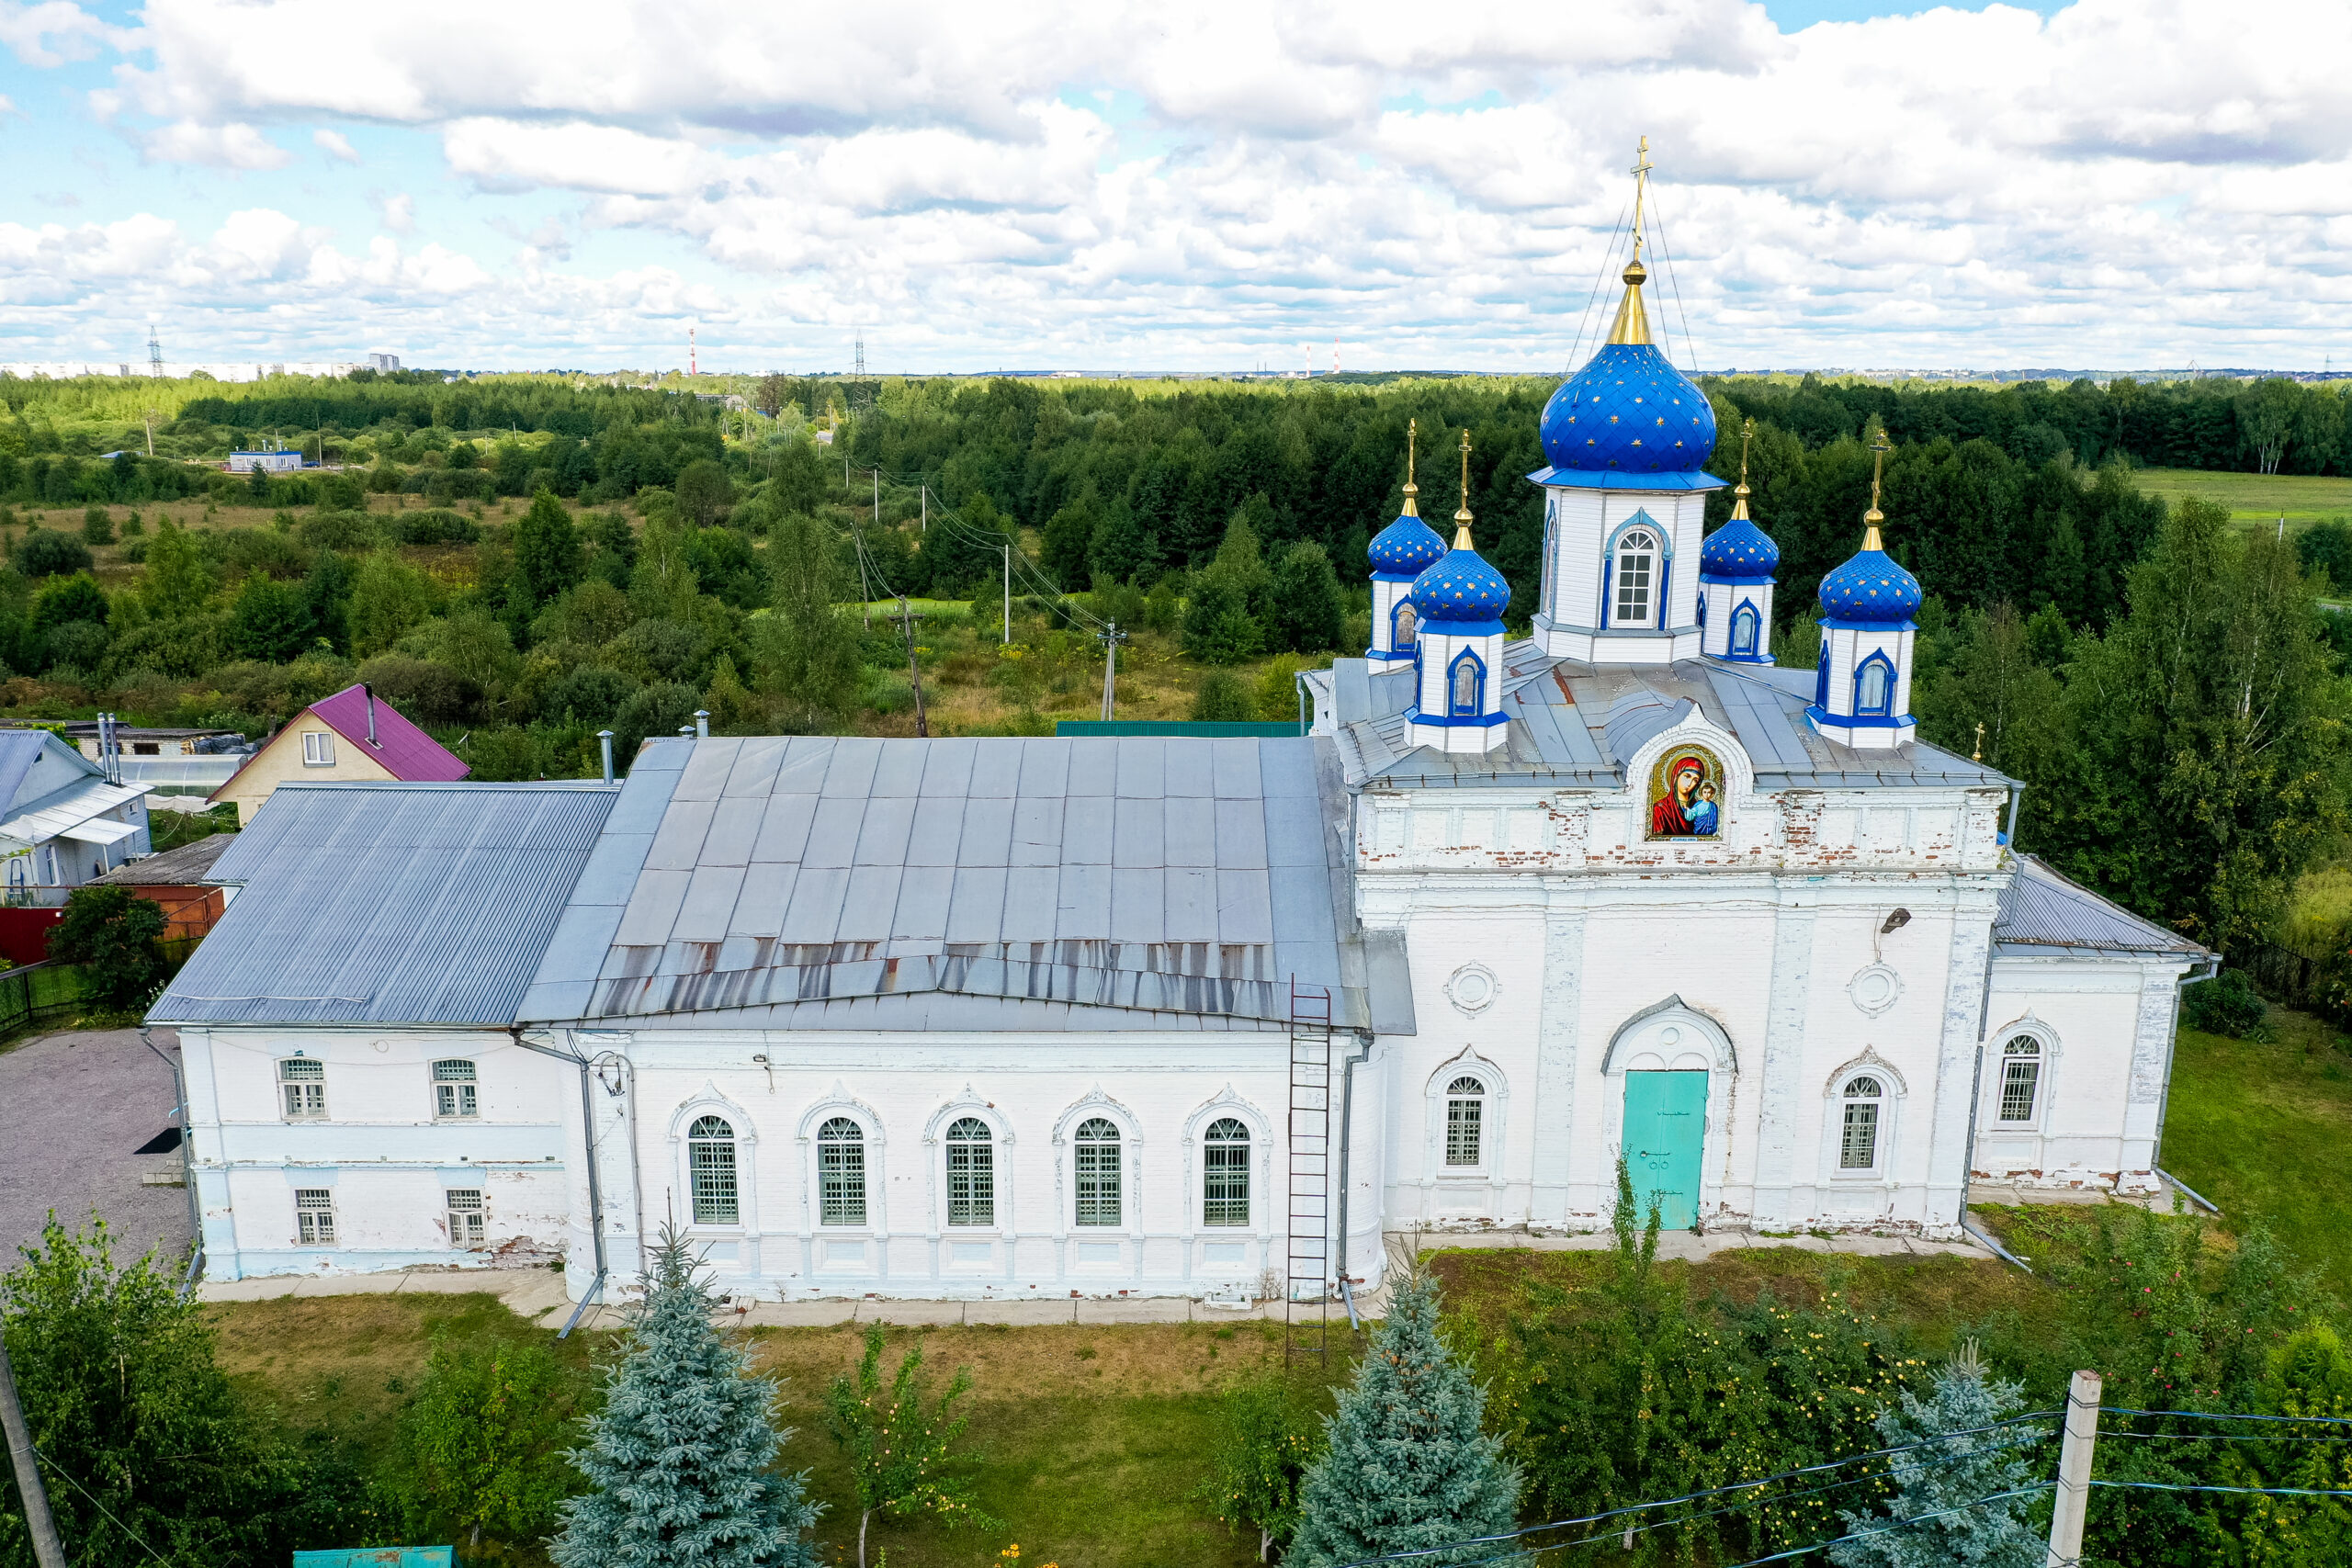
(1222, 699)
(2227, 1004)
(482, 1445)
(434, 526)
(354, 532)
(97, 526)
(43, 552)
(587, 695)
(76, 645)
(422, 690)
(657, 710)
(111, 933)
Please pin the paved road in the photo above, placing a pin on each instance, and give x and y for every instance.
(74, 1107)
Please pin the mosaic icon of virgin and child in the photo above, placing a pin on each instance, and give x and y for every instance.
(1686, 797)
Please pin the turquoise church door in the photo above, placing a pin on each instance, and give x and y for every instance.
(1666, 1129)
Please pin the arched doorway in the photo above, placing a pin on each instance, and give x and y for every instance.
(1664, 1139)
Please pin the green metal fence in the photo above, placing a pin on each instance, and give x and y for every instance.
(41, 995)
(1174, 726)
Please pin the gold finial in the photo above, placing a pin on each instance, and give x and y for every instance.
(1461, 518)
(1873, 517)
(1412, 428)
(1978, 755)
(1739, 496)
(1633, 324)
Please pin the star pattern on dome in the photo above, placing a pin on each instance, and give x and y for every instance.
(1870, 588)
(1407, 547)
(1623, 388)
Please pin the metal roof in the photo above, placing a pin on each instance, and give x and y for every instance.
(404, 749)
(63, 813)
(189, 865)
(2043, 913)
(1082, 879)
(389, 903)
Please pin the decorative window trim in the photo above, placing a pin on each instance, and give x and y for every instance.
(934, 1137)
(1092, 1105)
(1661, 554)
(1858, 1091)
(1747, 635)
(1874, 988)
(710, 1102)
(1997, 1057)
(1673, 1009)
(1821, 677)
(1401, 637)
(1473, 989)
(1493, 1119)
(1895, 1090)
(1227, 1103)
(841, 1103)
(1876, 660)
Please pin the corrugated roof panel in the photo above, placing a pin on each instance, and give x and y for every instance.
(2043, 912)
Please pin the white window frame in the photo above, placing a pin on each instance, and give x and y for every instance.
(1250, 1196)
(2040, 1055)
(455, 1096)
(468, 1218)
(314, 1216)
(866, 1196)
(971, 1141)
(1082, 1144)
(1465, 1100)
(318, 749)
(302, 1089)
(711, 1129)
(1863, 1089)
(1646, 541)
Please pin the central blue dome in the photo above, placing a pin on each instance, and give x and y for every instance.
(1740, 552)
(1461, 589)
(1628, 411)
(1871, 590)
(1406, 548)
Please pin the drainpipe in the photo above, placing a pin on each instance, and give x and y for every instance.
(1347, 1128)
(188, 1163)
(605, 738)
(2205, 971)
(369, 692)
(595, 1191)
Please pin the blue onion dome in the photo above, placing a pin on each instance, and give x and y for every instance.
(1461, 587)
(1870, 589)
(1739, 551)
(1408, 546)
(1629, 410)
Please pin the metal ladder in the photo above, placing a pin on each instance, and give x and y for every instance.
(1306, 1293)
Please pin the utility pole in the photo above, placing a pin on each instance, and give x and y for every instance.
(914, 671)
(926, 507)
(1111, 641)
(2074, 1448)
(39, 1523)
(1008, 594)
(151, 431)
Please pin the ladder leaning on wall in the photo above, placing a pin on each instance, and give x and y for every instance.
(1307, 1285)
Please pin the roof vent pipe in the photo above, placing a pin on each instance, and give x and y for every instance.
(702, 724)
(369, 692)
(605, 738)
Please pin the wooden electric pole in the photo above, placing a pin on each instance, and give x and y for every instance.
(47, 1551)
(914, 671)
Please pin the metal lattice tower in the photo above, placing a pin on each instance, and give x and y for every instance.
(1306, 1293)
(154, 353)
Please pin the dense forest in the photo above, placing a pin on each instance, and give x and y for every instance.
(521, 561)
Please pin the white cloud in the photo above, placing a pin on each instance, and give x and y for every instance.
(51, 33)
(398, 211)
(231, 146)
(336, 145)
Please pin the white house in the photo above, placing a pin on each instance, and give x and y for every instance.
(1027, 1018)
(64, 821)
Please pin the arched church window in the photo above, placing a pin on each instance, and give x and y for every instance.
(710, 1170)
(1636, 575)
(1745, 623)
(971, 1173)
(1858, 1148)
(1821, 678)
(1468, 682)
(1875, 686)
(1098, 1172)
(1225, 1167)
(1407, 624)
(1465, 1115)
(840, 1172)
(2020, 1078)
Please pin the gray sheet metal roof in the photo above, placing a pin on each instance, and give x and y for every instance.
(189, 865)
(2043, 913)
(1574, 725)
(389, 902)
(823, 879)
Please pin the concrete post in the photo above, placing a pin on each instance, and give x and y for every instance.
(2074, 1471)
(39, 1524)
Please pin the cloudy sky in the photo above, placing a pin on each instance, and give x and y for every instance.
(1214, 185)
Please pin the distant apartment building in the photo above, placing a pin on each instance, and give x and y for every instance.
(284, 462)
(384, 362)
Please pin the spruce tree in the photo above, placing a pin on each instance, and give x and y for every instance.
(679, 1457)
(1949, 1472)
(1407, 1468)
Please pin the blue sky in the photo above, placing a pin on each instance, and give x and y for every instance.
(2106, 184)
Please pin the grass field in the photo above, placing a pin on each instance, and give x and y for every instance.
(2254, 498)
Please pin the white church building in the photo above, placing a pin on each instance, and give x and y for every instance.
(1038, 1018)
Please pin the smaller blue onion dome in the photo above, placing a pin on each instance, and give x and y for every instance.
(1740, 552)
(1462, 589)
(1870, 589)
(1407, 547)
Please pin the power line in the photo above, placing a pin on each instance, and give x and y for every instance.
(1667, 256)
(1600, 278)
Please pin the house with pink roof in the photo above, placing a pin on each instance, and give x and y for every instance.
(354, 736)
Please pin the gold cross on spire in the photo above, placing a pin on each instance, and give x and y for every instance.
(1640, 173)
(1739, 496)
(1633, 323)
(1461, 518)
(1873, 517)
(1412, 429)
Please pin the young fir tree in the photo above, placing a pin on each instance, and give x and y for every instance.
(1949, 1472)
(679, 1457)
(1407, 1468)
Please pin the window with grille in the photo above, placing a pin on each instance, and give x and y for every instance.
(1466, 1109)
(840, 1172)
(1225, 1164)
(1637, 565)
(318, 749)
(453, 1091)
(1098, 1172)
(2020, 1078)
(710, 1170)
(314, 1215)
(303, 1082)
(971, 1173)
(1857, 1150)
(468, 1225)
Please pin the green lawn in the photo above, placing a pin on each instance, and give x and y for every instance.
(2265, 1132)
(2254, 498)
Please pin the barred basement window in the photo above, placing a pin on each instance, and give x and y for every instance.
(453, 1091)
(2020, 1078)
(1098, 1172)
(971, 1173)
(1225, 1168)
(710, 1168)
(840, 1172)
(314, 1215)
(302, 1080)
(1465, 1105)
(1859, 1148)
(468, 1225)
